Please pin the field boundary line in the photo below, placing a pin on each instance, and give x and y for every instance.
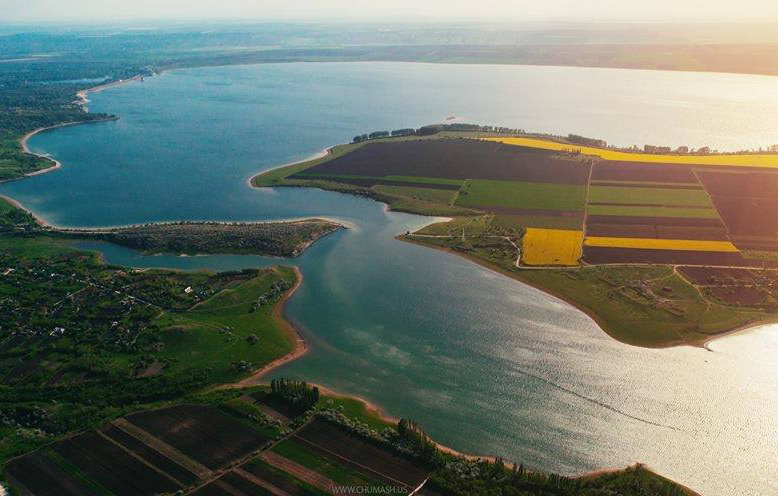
(276, 491)
(586, 208)
(301, 472)
(154, 442)
(141, 459)
(296, 436)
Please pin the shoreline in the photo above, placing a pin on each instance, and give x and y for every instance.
(320, 154)
(701, 343)
(300, 345)
(82, 101)
(57, 164)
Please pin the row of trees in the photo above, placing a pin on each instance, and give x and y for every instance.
(475, 478)
(298, 392)
(434, 129)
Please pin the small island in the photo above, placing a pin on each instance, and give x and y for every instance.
(660, 247)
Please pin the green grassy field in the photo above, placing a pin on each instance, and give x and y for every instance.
(425, 194)
(641, 305)
(549, 222)
(519, 194)
(471, 225)
(217, 333)
(340, 474)
(649, 196)
(14, 162)
(357, 410)
(428, 180)
(653, 211)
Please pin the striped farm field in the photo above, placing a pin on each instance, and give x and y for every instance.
(652, 211)
(424, 194)
(735, 160)
(551, 246)
(649, 196)
(661, 244)
(483, 193)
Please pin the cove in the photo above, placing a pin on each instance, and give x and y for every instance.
(485, 364)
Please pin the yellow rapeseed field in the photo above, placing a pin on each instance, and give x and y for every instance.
(551, 246)
(661, 244)
(744, 160)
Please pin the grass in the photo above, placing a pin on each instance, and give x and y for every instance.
(629, 302)
(546, 221)
(760, 255)
(14, 162)
(649, 196)
(338, 473)
(551, 247)
(357, 410)
(471, 226)
(735, 160)
(446, 196)
(302, 486)
(520, 194)
(218, 333)
(427, 180)
(653, 211)
(612, 295)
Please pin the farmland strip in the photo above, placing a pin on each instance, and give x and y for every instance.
(456, 159)
(378, 460)
(767, 160)
(202, 433)
(646, 184)
(299, 471)
(150, 455)
(706, 207)
(607, 255)
(113, 467)
(41, 477)
(272, 489)
(219, 487)
(659, 221)
(280, 479)
(244, 485)
(661, 244)
(200, 470)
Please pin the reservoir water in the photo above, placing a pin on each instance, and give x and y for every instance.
(487, 365)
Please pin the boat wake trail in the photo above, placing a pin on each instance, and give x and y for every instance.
(594, 401)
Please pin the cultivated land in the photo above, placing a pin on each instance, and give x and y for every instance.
(625, 224)
(124, 382)
(81, 341)
(238, 442)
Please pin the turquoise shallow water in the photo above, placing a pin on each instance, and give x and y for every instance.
(486, 364)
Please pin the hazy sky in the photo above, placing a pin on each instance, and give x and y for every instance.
(404, 10)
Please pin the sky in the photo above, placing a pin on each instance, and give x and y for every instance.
(385, 10)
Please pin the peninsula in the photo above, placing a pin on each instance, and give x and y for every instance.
(660, 247)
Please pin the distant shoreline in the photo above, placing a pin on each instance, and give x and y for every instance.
(57, 164)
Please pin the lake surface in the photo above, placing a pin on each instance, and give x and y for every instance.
(487, 365)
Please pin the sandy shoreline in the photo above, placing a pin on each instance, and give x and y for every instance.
(82, 100)
(315, 156)
(300, 346)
